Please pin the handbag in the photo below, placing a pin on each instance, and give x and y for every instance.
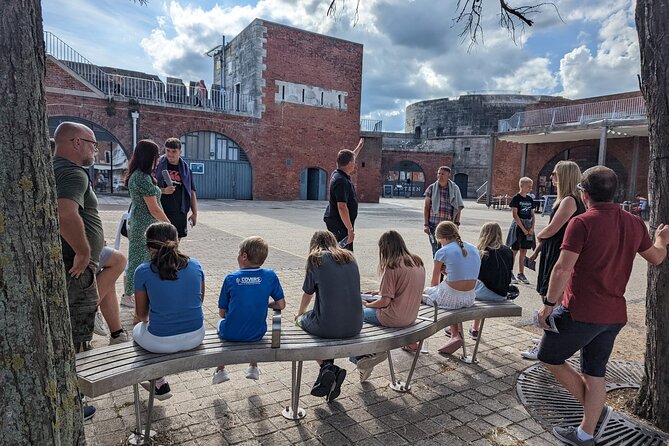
(124, 223)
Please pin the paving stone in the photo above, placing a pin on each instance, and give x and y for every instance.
(391, 439)
(466, 433)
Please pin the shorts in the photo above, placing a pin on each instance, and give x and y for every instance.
(595, 341)
(522, 242)
(485, 294)
(180, 221)
(82, 299)
(339, 231)
(448, 298)
(105, 255)
(369, 315)
(166, 344)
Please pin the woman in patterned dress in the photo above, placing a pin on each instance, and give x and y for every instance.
(145, 206)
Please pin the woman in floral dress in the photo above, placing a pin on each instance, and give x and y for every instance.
(145, 206)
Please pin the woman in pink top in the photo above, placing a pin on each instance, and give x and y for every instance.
(402, 281)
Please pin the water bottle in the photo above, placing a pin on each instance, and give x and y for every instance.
(343, 242)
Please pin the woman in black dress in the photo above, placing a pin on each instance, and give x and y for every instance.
(566, 175)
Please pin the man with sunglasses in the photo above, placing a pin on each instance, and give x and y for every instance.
(80, 229)
(586, 296)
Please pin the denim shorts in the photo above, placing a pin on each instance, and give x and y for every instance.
(369, 316)
(595, 342)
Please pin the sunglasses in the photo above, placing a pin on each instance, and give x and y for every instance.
(580, 187)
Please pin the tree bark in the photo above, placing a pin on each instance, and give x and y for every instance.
(39, 400)
(652, 21)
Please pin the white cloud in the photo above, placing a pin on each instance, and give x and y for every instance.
(533, 76)
(613, 67)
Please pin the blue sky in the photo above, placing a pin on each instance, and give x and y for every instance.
(412, 47)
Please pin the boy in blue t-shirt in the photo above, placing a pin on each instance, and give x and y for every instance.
(243, 302)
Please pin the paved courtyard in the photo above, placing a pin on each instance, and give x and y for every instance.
(450, 402)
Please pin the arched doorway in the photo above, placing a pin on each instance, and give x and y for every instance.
(462, 180)
(585, 157)
(111, 161)
(406, 178)
(313, 184)
(221, 169)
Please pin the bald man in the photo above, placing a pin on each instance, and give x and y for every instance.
(80, 225)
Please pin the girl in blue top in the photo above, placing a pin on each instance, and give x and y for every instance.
(459, 262)
(169, 291)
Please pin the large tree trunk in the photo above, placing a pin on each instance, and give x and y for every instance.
(39, 400)
(652, 21)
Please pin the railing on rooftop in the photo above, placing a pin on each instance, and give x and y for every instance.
(371, 125)
(147, 90)
(628, 108)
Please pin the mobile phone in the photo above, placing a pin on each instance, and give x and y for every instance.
(529, 263)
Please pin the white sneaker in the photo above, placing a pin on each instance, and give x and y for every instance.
(123, 337)
(100, 326)
(367, 363)
(220, 376)
(531, 353)
(128, 301)
(253, 373)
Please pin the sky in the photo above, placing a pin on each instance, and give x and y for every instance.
(413, 49)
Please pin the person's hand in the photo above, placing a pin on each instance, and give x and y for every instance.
(426, 229)
(193, 219)
(79, 265)
(365, 303)
(662, 234)
(544, 314)
(169, 190)
(372, 293)
(351, 236)
(531, 231)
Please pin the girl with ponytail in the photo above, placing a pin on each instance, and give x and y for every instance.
(459, 262)
(169, 291)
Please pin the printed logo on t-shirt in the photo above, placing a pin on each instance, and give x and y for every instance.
(175, 175)
(249, 280)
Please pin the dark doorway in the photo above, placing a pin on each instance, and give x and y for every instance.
(313, 184)
(462, 180)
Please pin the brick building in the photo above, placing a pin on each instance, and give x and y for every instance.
(286, 102)
(608, 130)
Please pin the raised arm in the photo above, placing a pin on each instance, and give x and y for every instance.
(658, 252)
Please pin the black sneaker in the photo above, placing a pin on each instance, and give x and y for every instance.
(336, 386)
(521, 278)
(89, 411)
(163, 391)
(323, 384)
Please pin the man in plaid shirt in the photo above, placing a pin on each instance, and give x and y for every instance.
(443, 202)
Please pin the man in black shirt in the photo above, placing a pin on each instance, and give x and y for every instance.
(177, 200)
(342, 209)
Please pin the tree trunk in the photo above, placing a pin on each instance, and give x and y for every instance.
(39, 400)
(652, 21)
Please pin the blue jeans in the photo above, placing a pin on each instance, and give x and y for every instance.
(369, 316)
(484, 294)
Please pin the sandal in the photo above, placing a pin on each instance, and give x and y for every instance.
(474, 333)
(451, 346)
(411, 348)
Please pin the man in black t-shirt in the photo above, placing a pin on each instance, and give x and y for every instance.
(521, 233)
(342, 209)
(177, 200)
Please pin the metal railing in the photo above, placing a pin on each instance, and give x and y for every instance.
(482, 190)
(146, 89)
(628, 108)
(371, 125)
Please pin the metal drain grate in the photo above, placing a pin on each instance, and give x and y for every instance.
(550, 404)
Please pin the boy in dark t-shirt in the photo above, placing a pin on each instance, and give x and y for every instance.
(521, 233)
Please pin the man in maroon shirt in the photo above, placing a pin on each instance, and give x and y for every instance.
(588, 282)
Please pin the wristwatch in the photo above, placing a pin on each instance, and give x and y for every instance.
(547, 302)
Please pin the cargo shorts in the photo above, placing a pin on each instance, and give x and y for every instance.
(82, 299)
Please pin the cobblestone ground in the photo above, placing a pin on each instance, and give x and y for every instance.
(450, 402)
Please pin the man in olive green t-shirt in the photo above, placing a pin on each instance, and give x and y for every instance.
(80, 225)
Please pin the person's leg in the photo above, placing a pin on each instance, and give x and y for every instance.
(82, 295)
(594, 401)
(521, 261)
(106, 282)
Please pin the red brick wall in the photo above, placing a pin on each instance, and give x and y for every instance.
(506, 169)
(367, 175)
(307, 136)
(59, 78)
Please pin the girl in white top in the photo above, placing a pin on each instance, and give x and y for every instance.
(460, 263)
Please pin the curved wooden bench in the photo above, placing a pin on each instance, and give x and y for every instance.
(110, 368)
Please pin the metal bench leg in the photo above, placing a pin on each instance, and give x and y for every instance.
(136, 438)
(398, 385)
(473, 359)
(464, 344)
(294, 411)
